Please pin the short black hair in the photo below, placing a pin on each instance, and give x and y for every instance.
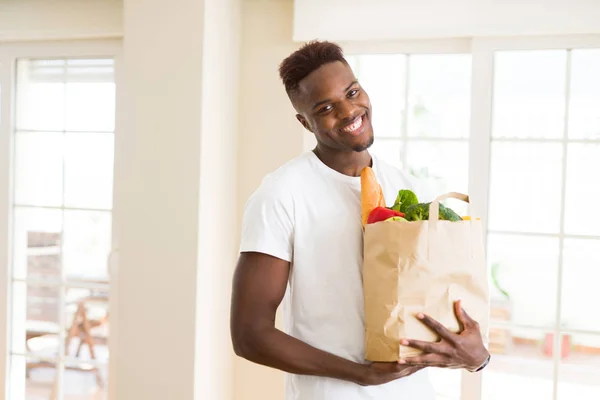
(307, 59)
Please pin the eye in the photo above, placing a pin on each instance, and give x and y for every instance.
(353, 93)
(325, 109)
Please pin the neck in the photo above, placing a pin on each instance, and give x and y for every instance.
(349, 163)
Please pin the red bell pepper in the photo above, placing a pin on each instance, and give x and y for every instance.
(381, 214)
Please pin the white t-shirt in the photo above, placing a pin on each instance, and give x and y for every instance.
(310, 215)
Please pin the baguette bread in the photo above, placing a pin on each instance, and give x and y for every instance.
(371, 194)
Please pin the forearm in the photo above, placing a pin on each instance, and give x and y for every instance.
(273, 348)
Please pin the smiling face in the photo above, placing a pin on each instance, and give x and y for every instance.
(332, 105)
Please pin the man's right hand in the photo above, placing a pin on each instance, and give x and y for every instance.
(379, 373)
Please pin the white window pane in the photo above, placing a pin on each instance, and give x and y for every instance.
(41, 306)
(523, 371)
(524, 278)
(584, 108)
(89, 170)
(582, 189)
(40, 105)
(90, 70)
(87, 243)
(31, 379)
(579, 368)
(581, 274)
(39, 169)
(525, 187)
(529, 94)
(51, 70)
(353, 62)
(439, 95)
(90, 106)
(388, 150)
(443, 165)
(383, 77)
(36, 244)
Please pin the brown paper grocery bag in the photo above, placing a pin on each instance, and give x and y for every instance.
(421, 266)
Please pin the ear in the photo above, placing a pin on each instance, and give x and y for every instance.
(304, 122)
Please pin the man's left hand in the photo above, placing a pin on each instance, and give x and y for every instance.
(455, 350)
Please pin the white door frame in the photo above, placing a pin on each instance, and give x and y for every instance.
(9, 53)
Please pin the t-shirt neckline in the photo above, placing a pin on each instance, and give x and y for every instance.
(352, 180)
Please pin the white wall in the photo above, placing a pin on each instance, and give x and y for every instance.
(346, 20)
(269, 136)
(60, 19)
(175, 202)
(218, 223)
(157, 180)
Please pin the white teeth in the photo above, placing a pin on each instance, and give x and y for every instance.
(356, 125)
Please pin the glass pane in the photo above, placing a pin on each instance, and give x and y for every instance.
(87, 242)
(584, 112)
(40, 95)
(524, 273)
(521, 369)
(353, 62)
(32, 379)
(529, 94)
(579, 368)
(90, 106)
(388, 150)
(443, 165)
(383, 77)
(39, 169)
(87, 324)
(439, 95)
(525, 187)
(85, 382)
(37, 237)
(582, 189)
(35, 319)
(581, 274)
(89, 170)
(446, 383)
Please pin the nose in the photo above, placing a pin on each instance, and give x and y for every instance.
(346, 111)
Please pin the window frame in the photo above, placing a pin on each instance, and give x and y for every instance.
(9, 54)
(484, 50)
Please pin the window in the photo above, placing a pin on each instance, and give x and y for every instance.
(543, 238)
(61, 238)
(532, 108)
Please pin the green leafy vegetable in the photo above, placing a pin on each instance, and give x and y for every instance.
(417, 212)
(446, 213)
(405, 199)
(420, 212)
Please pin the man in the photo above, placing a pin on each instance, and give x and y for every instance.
(302, 236)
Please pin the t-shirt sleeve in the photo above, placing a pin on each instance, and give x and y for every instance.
(267, 224)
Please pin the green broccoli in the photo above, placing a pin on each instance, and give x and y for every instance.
(420, 212)
(405, 199)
